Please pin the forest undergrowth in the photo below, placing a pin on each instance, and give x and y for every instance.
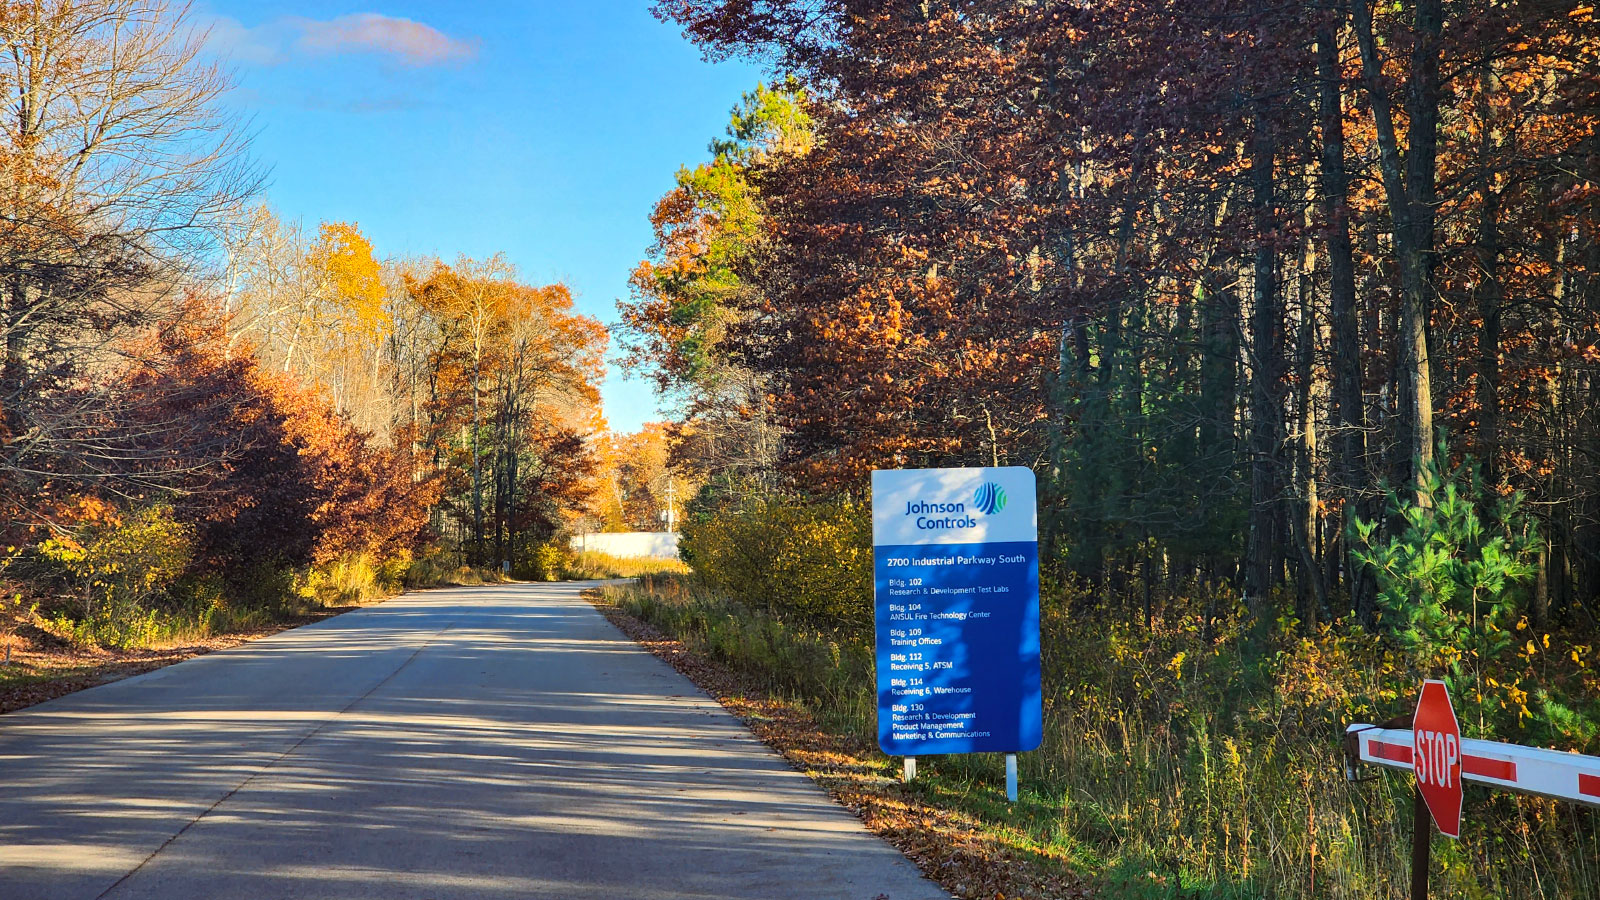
(1187, 754)
(1174, 764)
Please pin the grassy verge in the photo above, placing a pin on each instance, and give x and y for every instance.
(1174, 767)
(592, 565)
(437, 571)
(53, 655)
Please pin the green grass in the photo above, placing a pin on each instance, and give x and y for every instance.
(18, 675)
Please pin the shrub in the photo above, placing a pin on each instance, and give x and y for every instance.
(1447, 589)
(440, 567)
(116, 569)
(808, 559)
(546, 562)
(429, 569)
(266, 585)
(391, 572)
(355, 578)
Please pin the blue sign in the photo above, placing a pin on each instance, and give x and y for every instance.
(956, 574)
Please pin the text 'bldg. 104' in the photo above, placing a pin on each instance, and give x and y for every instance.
(956, 582)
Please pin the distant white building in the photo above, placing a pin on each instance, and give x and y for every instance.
(630, 544)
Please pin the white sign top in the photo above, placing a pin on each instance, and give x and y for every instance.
(954, 506)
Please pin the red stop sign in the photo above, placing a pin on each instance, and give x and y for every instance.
(1436, 756)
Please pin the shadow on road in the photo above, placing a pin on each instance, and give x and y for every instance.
(501, 741)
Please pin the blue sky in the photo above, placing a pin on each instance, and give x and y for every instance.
(545, 130)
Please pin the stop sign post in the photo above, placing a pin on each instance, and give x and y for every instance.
(1436, 760)
(1436, 756)
(1440, 760)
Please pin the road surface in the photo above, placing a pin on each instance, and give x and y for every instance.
(495, 742)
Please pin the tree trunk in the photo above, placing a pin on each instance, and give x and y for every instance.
(1409, 182)
(1264, 550)
(1350, 445)
(502, 446)
(1587, 442)
(1491, 299)
(1312, 587)
(1417, 275)
(477, 466)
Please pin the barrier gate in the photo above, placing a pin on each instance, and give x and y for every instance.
(1511, 767)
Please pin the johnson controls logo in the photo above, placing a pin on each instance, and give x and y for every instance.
(990, 498)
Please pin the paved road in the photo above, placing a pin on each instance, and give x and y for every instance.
(502, 742)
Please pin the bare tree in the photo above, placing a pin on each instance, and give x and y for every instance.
(116, 165)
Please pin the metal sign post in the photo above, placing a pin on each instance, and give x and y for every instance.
(956, 584)
(1434, 751)
(1421, 845)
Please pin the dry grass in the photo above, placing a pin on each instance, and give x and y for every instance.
(592, 565)
(1173, 767)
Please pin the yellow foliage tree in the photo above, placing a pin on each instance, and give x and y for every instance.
(344, 259)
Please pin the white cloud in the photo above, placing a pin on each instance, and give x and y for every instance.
(282, 40)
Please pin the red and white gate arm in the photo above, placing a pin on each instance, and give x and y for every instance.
(1526, 770)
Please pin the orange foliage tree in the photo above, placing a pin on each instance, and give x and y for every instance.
(291, 482)
(511, 389)
(1218, 272)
